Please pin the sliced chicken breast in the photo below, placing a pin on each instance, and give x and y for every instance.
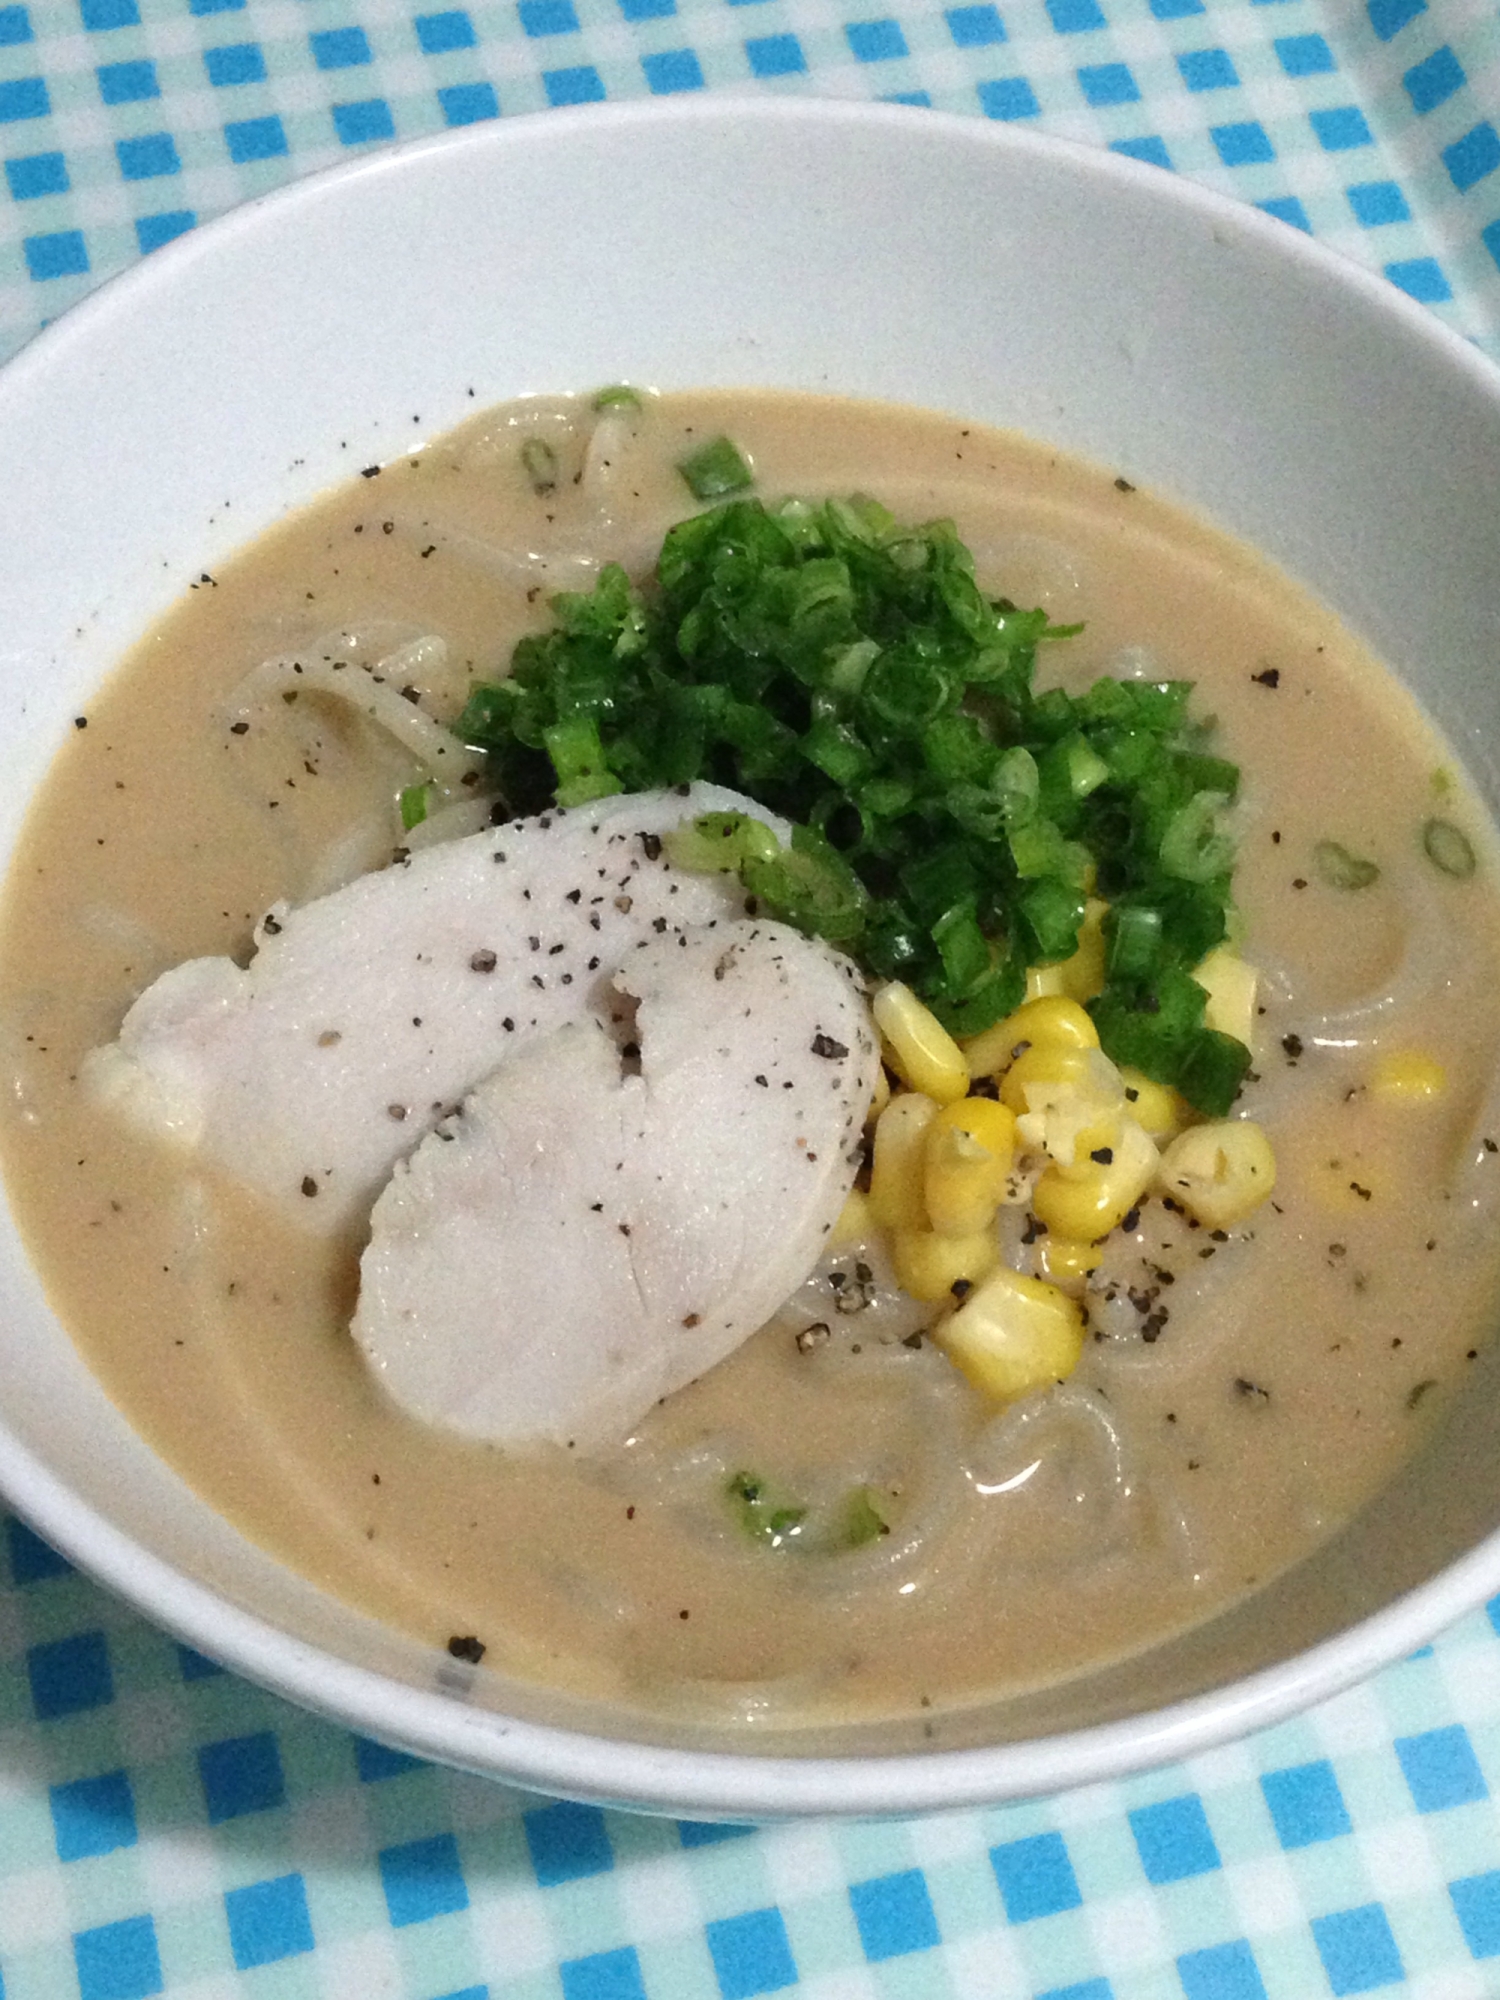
(582, 1238)
(365, 1016)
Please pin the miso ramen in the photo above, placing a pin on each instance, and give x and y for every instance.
(844, 1517)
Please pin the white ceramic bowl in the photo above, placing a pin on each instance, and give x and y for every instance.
(1123, 314)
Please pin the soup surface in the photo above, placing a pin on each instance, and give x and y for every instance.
(1241, 1394)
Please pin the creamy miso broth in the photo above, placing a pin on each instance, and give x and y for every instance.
(1241, 1393)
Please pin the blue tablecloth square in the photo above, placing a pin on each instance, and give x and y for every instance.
(606, 1975)
(148, 157)
(567, 1843)
(894, 1915)
(875, 41)
(151, 231)
(340, 48)
(422, 1879)
(1287, 208)
(15, 26)
(194, 1666)
(1389, 17)
(241, 1774)
(975, 27)
(1221, 1972)
(1008, 97)
(1150, 147)
(365, 121)
(468, 103)
(581, 85)
(255, 139)
(775, 55)
(548, 17)
(1489, 236)
(29, 178)
(72, 1674)
(1245, 144)
(649, 10)
(1207, 69)
(1035, 1876)
(1439, 1766)
(1305, 1804)
(1434, 80)
(1476, 1904)
(1176, 10)
(702, 1833)
(1473, 156)
(101, 16)
(1304, 55)
(24, 97)
(1340, 128)
(93, 1816)
(375, 1761)
(751, 1954)
(234, 63)
(673, 70)
(1357, 1949)
(1377, 203)
(438, 33)
(31, 1559)
(1421, 278)
(1173, 1839)
(1090, 1989)
(118, 1961)
(127, 82)
(1108, 83)
(1075, 17)
(268, 1921)
(921, 97)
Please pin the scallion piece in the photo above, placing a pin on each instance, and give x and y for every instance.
(578, 759)
(1448, 848)
(764, 1516)
(618, 396)
(716, 469)
(539, 462)
(413, 804)
(1342, 870)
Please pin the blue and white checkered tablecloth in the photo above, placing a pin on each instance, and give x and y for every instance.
(165, 1828)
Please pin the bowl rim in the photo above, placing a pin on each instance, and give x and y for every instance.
(729, 1785)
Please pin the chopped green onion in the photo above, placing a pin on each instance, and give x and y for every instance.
(1342, 870)
(763, 1516)
(864, 1518)
(847, 672)
(413, 804)
(619, 396)
(716, 469)
(719, 843)
(539, 461)
(1448, 848)
(578, 758)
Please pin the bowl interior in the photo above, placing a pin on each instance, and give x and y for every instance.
(1200, 349)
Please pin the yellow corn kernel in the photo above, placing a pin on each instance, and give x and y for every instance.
(1219, 1172)
(971, 1147)
(1013, 1334)
(1050, 1021)
(1155, 1107)
(928, 1266)
(896, 1199)
(856, 1223)
(921, 1050)
(1065, 1261)
(1230, 985)
(1406, 1076)
(882, 1095)
(1083, 1206)
(1037, 1075)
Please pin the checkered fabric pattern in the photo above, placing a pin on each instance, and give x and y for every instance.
(124, 123)
(167, 1829)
